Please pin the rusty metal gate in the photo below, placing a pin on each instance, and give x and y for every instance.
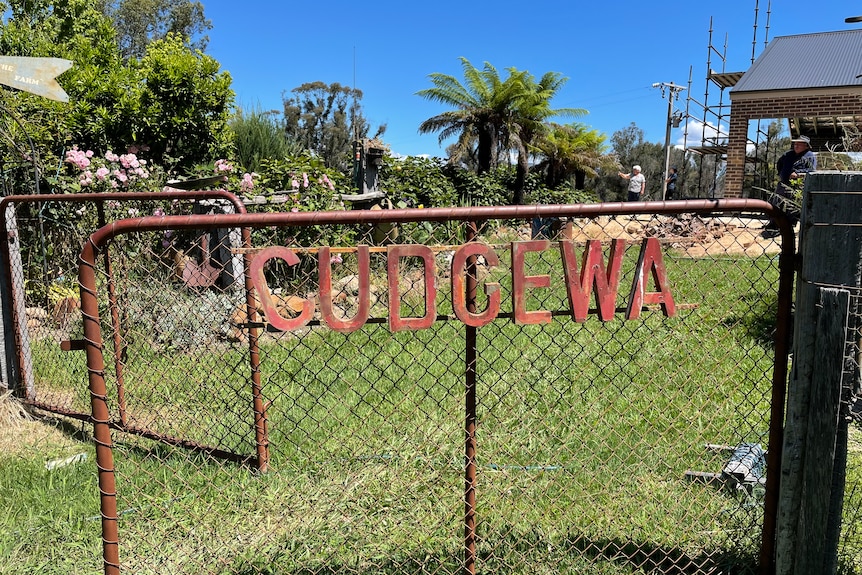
(40, 252)
(543, 389)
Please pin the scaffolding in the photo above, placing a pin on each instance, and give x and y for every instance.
(706, 163)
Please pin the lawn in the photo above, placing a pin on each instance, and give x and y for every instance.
(585, 432)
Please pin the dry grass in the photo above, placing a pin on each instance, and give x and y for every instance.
(23, 434)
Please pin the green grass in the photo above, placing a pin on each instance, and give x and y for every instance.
(585, 432)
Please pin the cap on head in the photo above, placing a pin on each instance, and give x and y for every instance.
(803, 139)
(636, 168)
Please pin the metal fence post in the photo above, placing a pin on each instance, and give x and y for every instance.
(18, 348)
(471, 356)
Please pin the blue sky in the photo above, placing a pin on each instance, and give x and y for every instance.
(612, 52)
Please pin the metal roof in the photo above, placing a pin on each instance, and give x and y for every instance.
(821, 60)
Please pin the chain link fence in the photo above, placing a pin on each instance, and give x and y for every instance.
(529, 390)
(848, 458)
(44, 236)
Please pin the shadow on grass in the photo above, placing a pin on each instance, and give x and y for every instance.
(528, 554)
(759, 321)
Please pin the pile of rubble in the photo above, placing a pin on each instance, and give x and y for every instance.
(687, 228)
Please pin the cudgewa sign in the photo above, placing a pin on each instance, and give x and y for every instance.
(593, 276)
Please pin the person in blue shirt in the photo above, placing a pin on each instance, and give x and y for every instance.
(792, 167)
(670, 192)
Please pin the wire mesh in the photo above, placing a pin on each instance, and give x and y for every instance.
(849, 446)
(597, 442)
(44, 236)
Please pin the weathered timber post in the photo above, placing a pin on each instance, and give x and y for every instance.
(823, 376)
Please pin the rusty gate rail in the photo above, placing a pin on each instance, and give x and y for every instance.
(15, 305)
(93, 343)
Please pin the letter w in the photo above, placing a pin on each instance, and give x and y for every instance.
(592, 275)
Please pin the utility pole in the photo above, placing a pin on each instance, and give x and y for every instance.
(672, 91)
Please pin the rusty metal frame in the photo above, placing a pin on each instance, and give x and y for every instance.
(99, 240)
(25, 392)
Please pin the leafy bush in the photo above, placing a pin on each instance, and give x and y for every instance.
(488, 189)
(413, 182)
(561, 195)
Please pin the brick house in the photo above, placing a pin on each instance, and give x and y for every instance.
(812, 80)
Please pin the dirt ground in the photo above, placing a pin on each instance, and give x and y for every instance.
(697, 236)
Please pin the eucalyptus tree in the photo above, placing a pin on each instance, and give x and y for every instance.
(325, 119)
(483, 108)
(141, 22)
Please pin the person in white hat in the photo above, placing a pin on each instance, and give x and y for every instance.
(792, 166)
(637, 183)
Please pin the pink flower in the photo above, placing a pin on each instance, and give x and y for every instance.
(294, 209)
(223, 166)
(327, 182)
(336, 259)
(247, 183)
(102, 173)
(111, 156)
(304, 180)
(129, 161)
(294, 184)
(78, 158)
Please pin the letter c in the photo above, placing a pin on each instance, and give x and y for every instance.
(258, 278)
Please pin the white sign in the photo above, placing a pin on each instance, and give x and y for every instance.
(34, 75)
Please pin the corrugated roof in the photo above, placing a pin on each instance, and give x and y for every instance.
(821, 60)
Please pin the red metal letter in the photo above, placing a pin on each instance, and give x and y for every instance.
(492, 289)
(324, 266)
(593, 276)
(394, 255)
(520, 283)
(270, 310)
(650, 260)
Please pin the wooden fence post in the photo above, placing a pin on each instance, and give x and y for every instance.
(823, 375)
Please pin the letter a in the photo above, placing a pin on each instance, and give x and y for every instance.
(650, 261)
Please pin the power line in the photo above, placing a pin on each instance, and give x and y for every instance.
(672, 91)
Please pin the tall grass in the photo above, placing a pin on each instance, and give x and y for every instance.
(257, 136)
